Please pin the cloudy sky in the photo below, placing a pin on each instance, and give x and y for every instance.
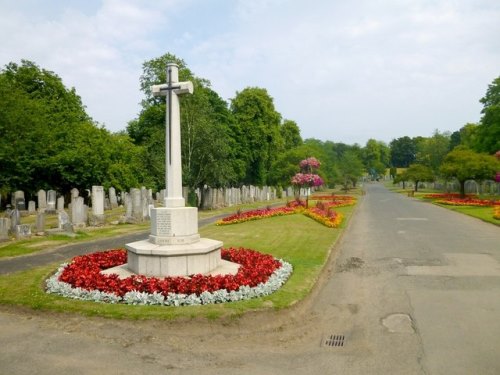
(344, 70)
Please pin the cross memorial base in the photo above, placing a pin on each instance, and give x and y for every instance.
(175, 248)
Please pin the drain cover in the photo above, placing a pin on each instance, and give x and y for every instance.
(335, 340)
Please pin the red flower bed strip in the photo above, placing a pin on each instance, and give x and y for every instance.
(255, 215)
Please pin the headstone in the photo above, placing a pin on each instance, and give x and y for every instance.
(4, 228)
(112, 198)
(107, 204)
(135, 195)
(23, 231)
(97, 200)
(97, 217)
(31, 207)
(20, 204)
(144, 203)
(74, 194)
(63, 220)
(60, 203)
(42, 199)
(16, 197)
(40, 222)
(78, 212)
(128, 208)
(15, 220)
(51, 200)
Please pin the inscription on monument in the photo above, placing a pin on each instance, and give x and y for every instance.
(164, 224)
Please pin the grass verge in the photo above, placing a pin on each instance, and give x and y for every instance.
(483, 213)
(297, 239)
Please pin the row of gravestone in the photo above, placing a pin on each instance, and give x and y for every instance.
(49, 201)
(137, 203)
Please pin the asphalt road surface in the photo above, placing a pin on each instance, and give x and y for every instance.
(411, 288)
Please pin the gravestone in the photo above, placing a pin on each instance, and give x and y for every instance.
(129, 218)
(97, 200)
(60, 203)
(135, 196)
(113, 201)
(78, 212)
(74, 194)
(20, 204)
(15, 219)
(51, 200)
(31, 207)
(18, 196)
(4, 228)
(40, 222)
(174, 247)
(144, 203)
(63, 221)
(97, 217)
(42, 199)
(23, 231)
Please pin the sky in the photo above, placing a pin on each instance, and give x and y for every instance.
(343, 70)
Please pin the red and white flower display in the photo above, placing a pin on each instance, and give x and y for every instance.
(259, 275)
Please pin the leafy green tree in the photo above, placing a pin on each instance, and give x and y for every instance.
(464, 164)
(290, 133)
(419, 173)
(257, 128)
(49, 142)
(376, 157)
(401, 177)
(431, 151)
(466, 136)
(403, 152)
(488, 133)
(350, 169)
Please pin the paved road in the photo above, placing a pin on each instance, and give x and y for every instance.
(412, 288)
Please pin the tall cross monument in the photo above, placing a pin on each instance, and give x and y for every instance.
(174, 247)
(173, 177)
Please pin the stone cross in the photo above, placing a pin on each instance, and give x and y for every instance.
(172, 89)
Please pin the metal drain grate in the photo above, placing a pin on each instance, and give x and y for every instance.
(335, 340)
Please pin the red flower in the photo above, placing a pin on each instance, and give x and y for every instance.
(85, 272)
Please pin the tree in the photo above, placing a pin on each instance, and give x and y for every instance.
(418, 173)
(403, 152)
(290, 133)
(465, 164)
(48, 140)
(350, 169)
(466, 136)
(401, 177)
(257, 128)
(376, 157)
(488, 132)
(431, 151)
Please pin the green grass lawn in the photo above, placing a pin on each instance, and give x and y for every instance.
(297, 239)
(483, 213)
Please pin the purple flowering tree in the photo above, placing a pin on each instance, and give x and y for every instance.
(306, 178)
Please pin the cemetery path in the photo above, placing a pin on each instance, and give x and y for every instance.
(411, 288)
(63, 253)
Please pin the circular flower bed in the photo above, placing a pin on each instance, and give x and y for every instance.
(259, 275)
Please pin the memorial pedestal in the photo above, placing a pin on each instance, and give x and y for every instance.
(175, 248)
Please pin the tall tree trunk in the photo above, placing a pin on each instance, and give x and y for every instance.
(462, 189)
